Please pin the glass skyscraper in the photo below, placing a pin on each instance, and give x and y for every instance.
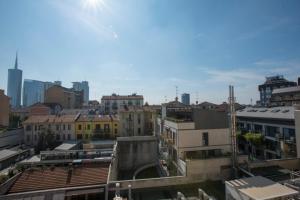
(185, 99)
(14, 85)
(33, 92)
(84, 85)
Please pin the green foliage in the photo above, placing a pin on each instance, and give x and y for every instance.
(254, 138)
(46, 140)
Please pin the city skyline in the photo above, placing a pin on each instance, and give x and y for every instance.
(164, 45)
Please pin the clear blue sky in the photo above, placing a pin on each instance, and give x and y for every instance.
(149, 46)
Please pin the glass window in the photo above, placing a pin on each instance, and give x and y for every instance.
(79, 127)
(205, 139)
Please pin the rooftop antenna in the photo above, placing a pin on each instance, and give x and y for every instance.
(251, 103)
(176, 87)
(231, 100)
(197, 97)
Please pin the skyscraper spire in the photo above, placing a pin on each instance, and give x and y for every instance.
(16, 62)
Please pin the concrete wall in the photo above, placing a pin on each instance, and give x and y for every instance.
(292, 163)
(209, 169)
(11, 138)
(135, 152)
(193, 138)
(180, 125)
(210, 119)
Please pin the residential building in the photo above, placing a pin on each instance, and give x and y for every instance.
(199, 144)
(61, 126)
(185, 99)
(112, 104)
(4, 109)
(276, 127)
(45, 109)
(137, 121)
(285, 96)
(97, 127)
(14, 85)
(67, 98)
(258, 188)
(33, 92)
(269, 85)
(82, 86)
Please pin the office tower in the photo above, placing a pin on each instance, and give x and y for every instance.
(82, 86)
(14, 85)
(33, 92)
(185, 99)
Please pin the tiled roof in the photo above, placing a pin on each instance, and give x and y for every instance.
(122, 97)
(60, 177)
(50, 119)
(97, 118)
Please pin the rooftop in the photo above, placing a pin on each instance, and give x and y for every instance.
(286, 90)
(35, 179)
(6, 153)
(122, 97)
(50, 118)
(97, 118)
(66, 146)
(258, 187)
(284, 112)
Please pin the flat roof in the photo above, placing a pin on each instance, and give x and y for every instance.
(6, 153)
(36, 179)
(286, 90)
(283, 112)
(66, 146)
(258, 187)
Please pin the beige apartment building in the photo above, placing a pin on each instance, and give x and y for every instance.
(199, 145)
(137, 121)
(114, 103)
(67, 98)
(62, 127)
(4, 109)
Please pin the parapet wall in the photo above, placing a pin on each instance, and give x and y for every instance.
(135, 152)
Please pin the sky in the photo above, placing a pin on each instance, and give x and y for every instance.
(149, 47)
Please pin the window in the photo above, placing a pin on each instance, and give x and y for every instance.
(69, 136)
(86, 136)
(35, 127)
(106, 128)
(69, 126)
(35, 137)
(98, 127)
(64, 127)
(79, 127)
(28, 128)
(57, 137)
(205, 139)
(139, 118)
(116, 131)
(64, 137)
(57, 127)
(139, 131)
(79, 136)
(88, 127)
(28, 138)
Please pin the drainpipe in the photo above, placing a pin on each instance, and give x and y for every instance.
(129, 192)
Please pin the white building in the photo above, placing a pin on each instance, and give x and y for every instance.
(113, 103)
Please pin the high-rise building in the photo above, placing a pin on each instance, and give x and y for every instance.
(82, 86)
(14, 85)
(185, 99)
(269, 85)
(33, 92)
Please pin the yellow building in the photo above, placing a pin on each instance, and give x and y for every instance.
(96, 127)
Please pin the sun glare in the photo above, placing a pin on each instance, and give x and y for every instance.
(93, 4)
